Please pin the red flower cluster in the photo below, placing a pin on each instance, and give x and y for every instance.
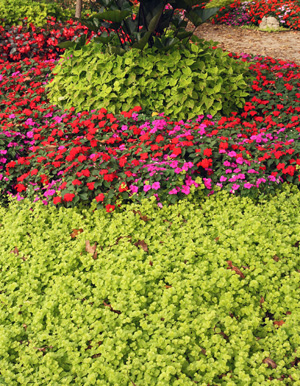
(28, 41)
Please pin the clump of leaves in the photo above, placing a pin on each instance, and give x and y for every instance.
(182, 84)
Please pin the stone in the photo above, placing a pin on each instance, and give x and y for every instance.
(269, 22)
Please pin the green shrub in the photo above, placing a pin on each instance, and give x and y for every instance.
(176, 296)
(219, 3)
(182, 83)
(13, 11)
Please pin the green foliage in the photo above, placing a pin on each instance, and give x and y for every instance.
(13, 11)
(218, 3)
(183, 83)
(141, 23)
(267, 29)
(174, 296)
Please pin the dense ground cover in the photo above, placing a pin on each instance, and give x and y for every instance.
(196, 293)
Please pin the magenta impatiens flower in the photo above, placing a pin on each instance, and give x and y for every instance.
(156, 185)
(173, 191)
(185, 189)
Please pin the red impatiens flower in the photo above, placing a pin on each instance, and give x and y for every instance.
(76, 182)
(207, 152)
(109, 208)
(44, 179)
(69, 197)
(20, 187)
(56, 200)
(91, 185)
(123, 187)
(100, 197)
(63, 185)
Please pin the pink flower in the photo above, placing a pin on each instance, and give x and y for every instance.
(259, 181)
(156, 185)
(207, 183)
(133, 188)
(235, 186)
(147, 188)
(50, 192)
(226, 163)
(187, 166)
(223, 179)
(57, 119)
(29, 134)
(247, 185)
(227, 171)
(232, 154)
(173, 191)
(185, 189)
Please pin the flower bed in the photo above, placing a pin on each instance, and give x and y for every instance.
(28, 41)
(94, 155)
(202, 292)
(239, 13)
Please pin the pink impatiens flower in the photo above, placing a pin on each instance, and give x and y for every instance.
(133, 188)
(235, 187)
(232, 154)
(185, 189)
(156, 185)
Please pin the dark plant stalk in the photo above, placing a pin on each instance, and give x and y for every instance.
(126, 28)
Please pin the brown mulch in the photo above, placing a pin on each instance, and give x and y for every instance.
(280, 45)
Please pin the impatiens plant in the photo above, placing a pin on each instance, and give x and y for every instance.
(234, 14)
(29, 41)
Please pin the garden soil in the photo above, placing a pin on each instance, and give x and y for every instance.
(279, 45)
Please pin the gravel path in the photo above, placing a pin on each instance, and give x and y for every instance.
(280, 45)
